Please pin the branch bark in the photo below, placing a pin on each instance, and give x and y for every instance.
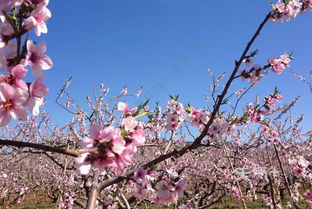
(20, 144)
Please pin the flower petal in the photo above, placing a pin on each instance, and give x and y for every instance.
(5, 117)
(46, 62)
(19, 113)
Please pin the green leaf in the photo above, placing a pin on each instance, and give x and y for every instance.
(223, 112)
(141, 106)
(276, 91)
(175, 98)
(244, 117)
(290, 56)
(273, 6)
(123, 132)
(188, 108)
(226, 101)
(140, 114)
(12, 20)
(230, 119)
(15, 12)
(286, 2)
(254, 53)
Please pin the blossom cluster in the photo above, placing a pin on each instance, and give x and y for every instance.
(269, 202)
(174, 115)
(234, 192)
(271, 133)
(255, 73)
(141, 185)
(256, 114)
(280, 64)
(290, 9)
(299, 165)
(308, 196)
(17, 17)
(111, 147)
(68, 200)
(164, 191)
(199, 118)
(169, 191)
(219, 127)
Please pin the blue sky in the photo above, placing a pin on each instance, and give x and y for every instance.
(166, 47)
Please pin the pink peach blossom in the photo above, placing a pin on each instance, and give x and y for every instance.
(37, 19)
(139, 173)
(138, 136)
(37, 90)
(15, 77)
(163, 190)
(37, 59)
(11, 104)
(122, 106)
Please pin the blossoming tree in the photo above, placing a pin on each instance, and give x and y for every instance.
(118, 156)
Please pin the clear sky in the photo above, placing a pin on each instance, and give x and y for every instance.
(166, 47)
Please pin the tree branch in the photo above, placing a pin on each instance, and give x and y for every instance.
(69, 152)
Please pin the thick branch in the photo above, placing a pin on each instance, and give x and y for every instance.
(93, 196)
(70, 152)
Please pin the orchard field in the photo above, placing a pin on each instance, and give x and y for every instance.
(243, 146)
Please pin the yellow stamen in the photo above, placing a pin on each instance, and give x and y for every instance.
(10, 79)
(8, 105)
